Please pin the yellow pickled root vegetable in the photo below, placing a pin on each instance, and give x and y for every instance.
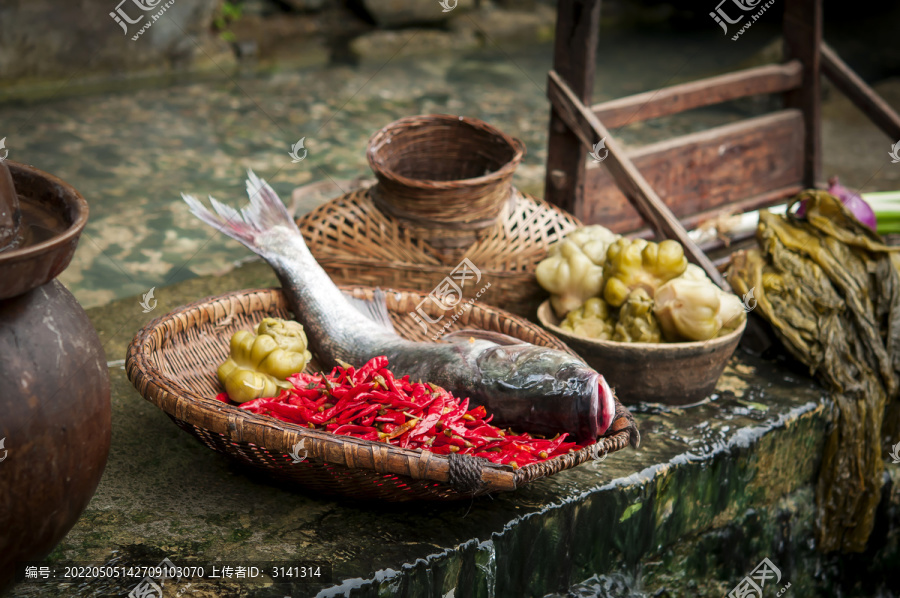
(637, 324)
(696, 310)
(695, 272)
(573, 269)
(593, 240)
(591, 320)
(638, 264)
(570, 276)
(259, 363)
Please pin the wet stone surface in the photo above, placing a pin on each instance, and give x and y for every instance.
(164, 494)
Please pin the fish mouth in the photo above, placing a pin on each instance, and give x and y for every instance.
(607, 405)
(602, 408)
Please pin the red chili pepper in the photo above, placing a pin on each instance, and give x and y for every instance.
(367, 371)
(353, 429)
(356, 412)
(457, 414)
(485, 431)
(256, 405)
(400, 430)
(441, 440)
(434, 414)
(308, 394)
(389, 379)
(294, 413)
(387, 428)
(393, 400)
(478, 412)
(300, 380)
(394, 417)
(415, 415)
(301, 401)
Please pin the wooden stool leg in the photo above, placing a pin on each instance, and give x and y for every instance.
(802, 40)
(575, 48)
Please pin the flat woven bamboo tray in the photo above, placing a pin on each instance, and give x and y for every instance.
(172, 363)
(358, 243)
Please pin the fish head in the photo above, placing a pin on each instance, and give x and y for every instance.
(547, 387)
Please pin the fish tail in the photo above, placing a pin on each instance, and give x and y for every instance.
(265, 214)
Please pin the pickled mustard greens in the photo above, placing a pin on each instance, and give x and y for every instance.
(259, 363)
(635, 263)
(829, 289)
(573, 270)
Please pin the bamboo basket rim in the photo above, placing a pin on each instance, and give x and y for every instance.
(183, 404)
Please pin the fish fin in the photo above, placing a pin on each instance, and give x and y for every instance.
(375, 308)
(483, 335)
(265, 212)
(625, 421)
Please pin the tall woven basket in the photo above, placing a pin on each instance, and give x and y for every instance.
(444, 195)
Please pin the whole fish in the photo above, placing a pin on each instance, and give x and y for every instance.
(531, 388)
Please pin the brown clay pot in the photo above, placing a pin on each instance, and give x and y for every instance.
(54, 386)
(669, 373)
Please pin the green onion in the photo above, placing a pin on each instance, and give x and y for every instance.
(886, 205)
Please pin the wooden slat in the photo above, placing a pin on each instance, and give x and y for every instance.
(865, 98)
(574, 51)
(582, 121)
(773, 78)
(802, 31)
(753, 158)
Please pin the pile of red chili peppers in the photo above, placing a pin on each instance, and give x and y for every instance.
(370, 403)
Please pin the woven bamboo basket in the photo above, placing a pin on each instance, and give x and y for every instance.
(172, 363)
(358, 243)
(444, 193)
(444, 172)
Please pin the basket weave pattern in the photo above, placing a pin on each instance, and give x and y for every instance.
(357, 243)
(172, 363)
(442, 171)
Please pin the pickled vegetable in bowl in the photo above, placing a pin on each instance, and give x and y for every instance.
(657, 327)
(639, 291)
(672, 373)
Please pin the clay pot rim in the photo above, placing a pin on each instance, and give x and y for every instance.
(71, 197)
(548, 320)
